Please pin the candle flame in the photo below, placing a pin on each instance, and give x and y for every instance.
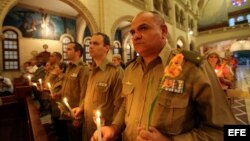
(65, 100)
(98, 113)
(34, 84)
(216, 70)
(49, 85)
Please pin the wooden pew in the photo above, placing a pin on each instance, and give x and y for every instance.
(35, 127)
(8, 99)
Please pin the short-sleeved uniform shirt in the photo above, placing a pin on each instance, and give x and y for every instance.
(103, 93)
(75, 83)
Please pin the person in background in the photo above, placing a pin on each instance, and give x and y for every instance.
(39, 73)
(187, 107)
(24, 69)
(41, 93)
(74, 88)
(225, 74)
(55, 58)
(234, 64)
(6, 86)
(55, 97)
(117, 60)
(104, 86)
(214, 60)
(221, 69)
(33, 66)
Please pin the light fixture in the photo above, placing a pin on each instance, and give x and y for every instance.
(238, 2)
(190, 31)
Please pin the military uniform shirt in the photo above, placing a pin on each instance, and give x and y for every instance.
(196, 114)
(75, 83)
(56, 86)
(103, 93)
(49, 78)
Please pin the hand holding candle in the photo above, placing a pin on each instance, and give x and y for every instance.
(98, 124)
(216, 70)
(65, 100)
(34, 84)
(41, 83)
(49, 86)
(29, 78)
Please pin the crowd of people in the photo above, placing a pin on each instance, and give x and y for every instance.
(154, 98)
(225, 69)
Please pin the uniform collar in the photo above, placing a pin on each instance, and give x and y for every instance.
(79, 62)
(102, 66)
(164, 56)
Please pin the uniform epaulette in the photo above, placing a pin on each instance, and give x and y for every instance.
(82, 64)
(192, 56)
(131, 61)
(111, 64)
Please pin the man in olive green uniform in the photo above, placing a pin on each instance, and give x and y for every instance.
(55, 96)
(190, 107)
(104, 86)
(74, 87)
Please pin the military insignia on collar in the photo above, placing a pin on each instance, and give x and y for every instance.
(128, 83)
(173, 85)
(102, 84)
(73, 75)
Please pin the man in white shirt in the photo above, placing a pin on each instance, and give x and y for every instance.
(33, 66)
(6, 86)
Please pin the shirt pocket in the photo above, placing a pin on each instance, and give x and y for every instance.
(128, 93)
(102, 90)
(170, 112)
(73, 78)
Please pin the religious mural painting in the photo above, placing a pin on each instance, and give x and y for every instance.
(34, 24)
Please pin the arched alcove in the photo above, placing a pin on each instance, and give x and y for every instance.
(84, 12)
(117, 23)
(181, 42)
(121, 28)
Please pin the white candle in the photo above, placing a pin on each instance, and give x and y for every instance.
(41, 83)
(49, 86)
(29, 78)
(34, 84)
(98, 124)
(66, 103)
(216, 71)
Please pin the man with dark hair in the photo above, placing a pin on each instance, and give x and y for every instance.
(168, 95)
(77, 47)
(104, 86)
(74, 87)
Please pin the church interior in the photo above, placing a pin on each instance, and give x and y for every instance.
(36, 28)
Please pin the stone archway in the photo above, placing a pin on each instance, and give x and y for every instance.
(125, 37)
(117, 22)
(84, 12)
(5, 6)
